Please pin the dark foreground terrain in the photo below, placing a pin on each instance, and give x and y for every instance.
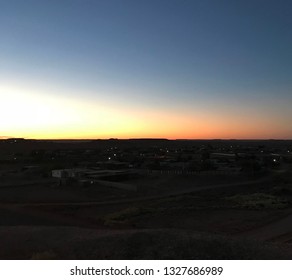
(186, 200)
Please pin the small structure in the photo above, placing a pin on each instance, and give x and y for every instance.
(86, 177)
(68, 173)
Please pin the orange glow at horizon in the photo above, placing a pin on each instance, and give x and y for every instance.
(25, 113)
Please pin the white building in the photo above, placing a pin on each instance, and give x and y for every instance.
(68, 173)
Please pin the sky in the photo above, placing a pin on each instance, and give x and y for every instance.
(176, 69)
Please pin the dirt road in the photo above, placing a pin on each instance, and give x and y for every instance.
(144, 198)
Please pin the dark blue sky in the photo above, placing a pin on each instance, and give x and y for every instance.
(225, 63)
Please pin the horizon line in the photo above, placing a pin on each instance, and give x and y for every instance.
(146, 138)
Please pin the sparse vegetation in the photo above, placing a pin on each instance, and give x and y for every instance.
(181, 245)
(173, 244)
(258, 201)
(125, 214)
(45, 255)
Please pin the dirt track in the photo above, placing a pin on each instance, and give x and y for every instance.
(280, 230)
(144, 198)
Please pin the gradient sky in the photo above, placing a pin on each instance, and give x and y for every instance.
(135, 68)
